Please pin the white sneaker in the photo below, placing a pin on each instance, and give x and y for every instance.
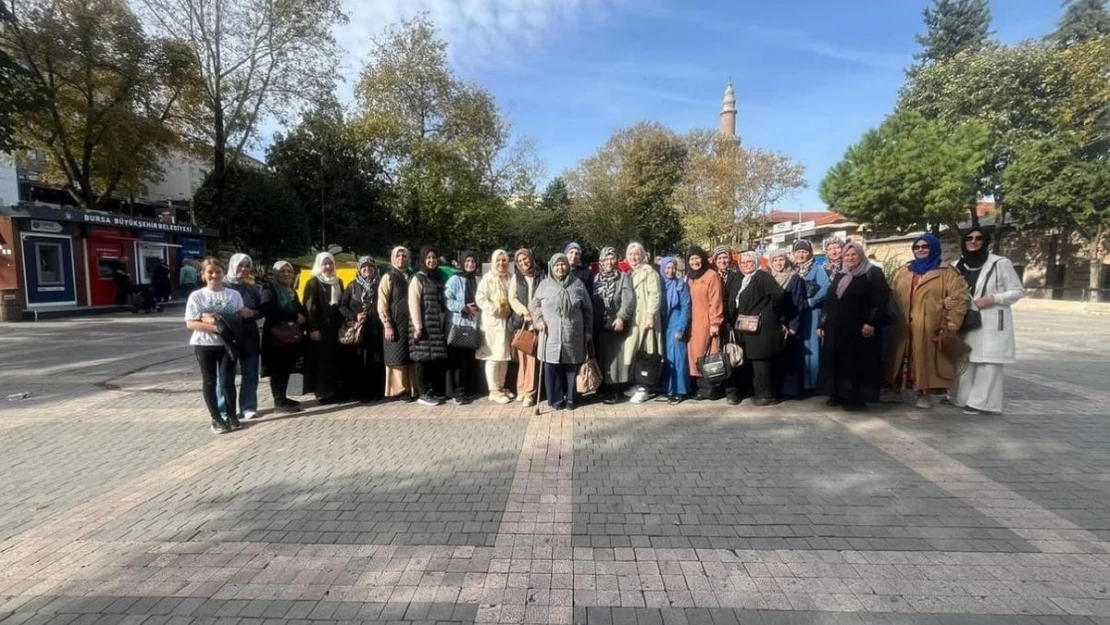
(630, 391)
(499, 398)
(425, 400)
(924, 402)
(250, 414)
(639, 397)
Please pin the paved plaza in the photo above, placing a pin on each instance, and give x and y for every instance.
(120, 507)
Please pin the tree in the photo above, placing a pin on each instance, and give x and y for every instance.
(442, 142)
(556, 196)
(626, 192)
(910, 172)
(105, 92)
(1083, 20)
(15, 92)
(335, 179)
(727, 188)
(257, 58)
(953, 26)
(258, 213)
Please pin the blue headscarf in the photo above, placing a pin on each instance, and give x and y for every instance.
(674, 285)
(923, 266)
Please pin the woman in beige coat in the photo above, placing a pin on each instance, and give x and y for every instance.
(645, 285)
(921, 288)
(492, 298)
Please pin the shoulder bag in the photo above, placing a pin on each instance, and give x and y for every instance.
(747, 324)
(588, 379)
(525, 340)
(464, 337)
(646, 367)
(286, 334)
(973, 320)
(714, 366)
(351, 333)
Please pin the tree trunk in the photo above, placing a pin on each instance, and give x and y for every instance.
(1095, 246)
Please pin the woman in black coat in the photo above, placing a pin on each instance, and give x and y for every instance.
(851, 352)
(756, 296)
(363, 369)
(428, 329)
(282, 334)
(321, 301)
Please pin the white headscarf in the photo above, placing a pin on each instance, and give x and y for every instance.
(645, 258)
(232, 275)
(499, 282)
(332, 280)
(747, 279)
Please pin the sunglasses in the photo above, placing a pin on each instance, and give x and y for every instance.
(973, 237)
(921, 247)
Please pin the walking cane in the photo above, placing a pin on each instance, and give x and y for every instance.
(539, 380)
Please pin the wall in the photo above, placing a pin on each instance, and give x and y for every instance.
(183, 175)
(9, 276)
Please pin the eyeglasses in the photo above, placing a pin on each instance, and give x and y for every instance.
(921, 247)
(973, 237)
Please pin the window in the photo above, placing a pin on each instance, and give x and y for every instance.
(48, 257)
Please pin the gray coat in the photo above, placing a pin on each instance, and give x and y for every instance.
(564, 340)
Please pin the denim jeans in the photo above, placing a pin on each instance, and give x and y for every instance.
(248, 386)
(217, 373)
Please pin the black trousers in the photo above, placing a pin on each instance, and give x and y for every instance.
(460, 371)
(561, 384)
(217, 366)
(756, 379)
(280, 363)
(432, 378)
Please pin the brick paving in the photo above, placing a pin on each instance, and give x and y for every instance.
(119, 507)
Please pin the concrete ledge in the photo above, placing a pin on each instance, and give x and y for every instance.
(88, 311)
(1053, 305)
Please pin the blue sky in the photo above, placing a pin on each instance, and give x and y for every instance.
(810, 75)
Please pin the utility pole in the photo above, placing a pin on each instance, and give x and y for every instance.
(323, 210)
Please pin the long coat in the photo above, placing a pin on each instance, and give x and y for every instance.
(707, 310)
(645, 285)
(920, 323)
(321, 375)
(496, 338)
(610, 344)
(793, 357)
(676, 320)
(763, 298)
(994, 342)
(851, 364)
(817, 289)
(564, 340)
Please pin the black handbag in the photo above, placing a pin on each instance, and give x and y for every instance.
(464, 337)
(646, 367)
(973, 320)
(714, 367)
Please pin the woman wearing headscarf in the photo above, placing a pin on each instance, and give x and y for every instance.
(460, 295)
(817, 284)
(282, 334)
(834, 249)
(851, 354)
(756, 295)
(496, 349)
(707, 315)
(428, 335)
(393, 311)
(676, 323)
(522, 289)
(995, 287)
(240, 278)
(646, 321)
(921, 288)
(563, 314)
(578, 267)
(614, 304)
(364, 373)
(321, 302)
(791, 365)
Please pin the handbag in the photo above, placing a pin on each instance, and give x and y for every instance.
(973, 320)
(715, 366)
(351, 333)
(952, 346)
(525, 340)
(286, 334)
(747, 324)
(646, 367)
(464, 337)
(812, 287)
(588, 379)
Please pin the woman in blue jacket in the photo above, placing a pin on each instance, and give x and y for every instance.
(817, 289)
(676, 318)
(460, 291)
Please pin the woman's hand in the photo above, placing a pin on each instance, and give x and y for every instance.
(650, 325)
(540, 326)
(820, 334)
(246, 313)
(952, 327)
(618, 325)
(361, 318)
(390, 335)
(314, 335)
(418, 334)
(949, 303)
(714, 332)
(208, 318)
(527, 318)
(983, 303)
(300, 319)
(472, 310)
(868, 331)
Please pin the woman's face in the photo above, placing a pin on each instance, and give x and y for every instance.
(635, 256)
(560, 269)
(974, 240)
(243, 271)
(367, 271)
(722, 261)
(747, 265)
(670, 271)
(431, 260)
(525, 262)
(921, 250)
(213, 275)
(328, 267)
(852, 259)
(574, 256)
(502, 264)
(801, 256)
(778, 263)
(401, 261)
(833, 251)
(470, 264)
(285, 275)
(609, 262)
(694, 263)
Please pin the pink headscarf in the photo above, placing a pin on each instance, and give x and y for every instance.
(861, 269)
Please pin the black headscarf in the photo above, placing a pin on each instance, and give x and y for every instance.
(432, 274)
(696, 251)
(470, 278)
(971, 263)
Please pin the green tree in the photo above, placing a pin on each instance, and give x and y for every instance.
(1083, 20)
(951, 27)
(258, 213)
(910, 172)
(336, 180)
(626, 192)
(556, 196)
(105, 91)
(15, 92)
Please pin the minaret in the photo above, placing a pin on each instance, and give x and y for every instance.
(728, 112)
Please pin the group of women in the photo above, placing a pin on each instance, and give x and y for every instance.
(416, 334)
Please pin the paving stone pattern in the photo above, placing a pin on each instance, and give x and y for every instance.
(118, 507)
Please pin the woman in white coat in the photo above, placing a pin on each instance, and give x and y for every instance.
(496, 350)
(645, 321)
(995, 287)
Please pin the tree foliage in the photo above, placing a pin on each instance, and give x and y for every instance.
(257, 213)
(105, 92)
(727, 188)
(16, 94)
(257, 59)
(952, 27)
(1083, 20)
(626, 192)
(908, 172)
(335, 179)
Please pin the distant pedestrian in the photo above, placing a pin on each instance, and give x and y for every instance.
(121, 278)
(186, 278)
(161, 282)
(205, 312)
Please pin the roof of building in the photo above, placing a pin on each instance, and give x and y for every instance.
(820, 218)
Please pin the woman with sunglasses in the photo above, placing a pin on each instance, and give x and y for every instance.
(994, 288)
(932, 297)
